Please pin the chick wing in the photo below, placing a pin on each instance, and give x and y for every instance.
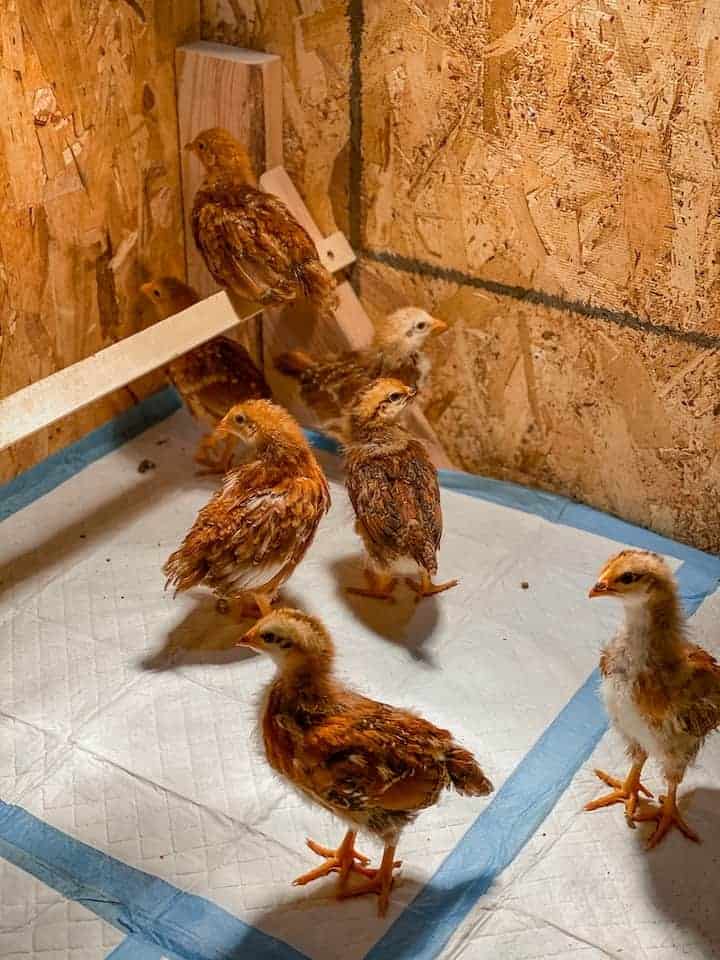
(251, 242)
(255, 528)
(397, 502)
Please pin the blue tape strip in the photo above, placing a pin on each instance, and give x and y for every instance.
(144, 906)
(134, 948)
(515, 812)
(58, 468)
(491, 843)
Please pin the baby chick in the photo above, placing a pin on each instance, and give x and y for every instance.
(329, 384)
(661, 691)
(394, 490)
(373, 765)
(249, 538)
(212, 377)
(251, 243)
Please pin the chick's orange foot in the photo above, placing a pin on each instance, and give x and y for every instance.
(380, 883)
(625, 791)
(344, 860)
(378, 587)
(667, 816)
(426, 588)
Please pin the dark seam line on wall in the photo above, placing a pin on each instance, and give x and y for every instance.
(356, 23)
(621, 318)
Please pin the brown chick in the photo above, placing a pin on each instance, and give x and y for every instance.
(249, 538)
(211, 378)
(661, 691)
(251, 243)
(328, 384)
(374, 766)
(393, 487)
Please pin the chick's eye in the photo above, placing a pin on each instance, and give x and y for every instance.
(394, 397)
(240, 419)
(628, 578)
(421, 325)
(268, 637)
(201, 145)
(156, 294)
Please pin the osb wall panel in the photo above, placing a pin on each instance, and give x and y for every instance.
(554, 156)
(545, 177)
(89, 187)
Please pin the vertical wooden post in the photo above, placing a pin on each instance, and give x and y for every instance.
(240, 90)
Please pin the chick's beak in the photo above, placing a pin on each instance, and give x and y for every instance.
(224, 425)
(438, 326)
(146, 288)
(600, 589)
(248, 639)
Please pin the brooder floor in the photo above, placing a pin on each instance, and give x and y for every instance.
(139, 819)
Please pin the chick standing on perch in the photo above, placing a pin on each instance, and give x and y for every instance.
(373, 765)
(211, 378)
(661, 691)
(393, 487)
(329, 384)
(246, 542)
(251, 243)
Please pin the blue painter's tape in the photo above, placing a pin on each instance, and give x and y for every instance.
(135, 948)
(515, 812)
(147, 908)
(43, 478)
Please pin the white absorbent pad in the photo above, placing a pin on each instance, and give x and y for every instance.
(140, 819)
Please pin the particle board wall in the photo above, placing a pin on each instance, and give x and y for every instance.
(545, 176)
(89, 187)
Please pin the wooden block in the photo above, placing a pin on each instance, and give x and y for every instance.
(46, 401)
(240, 90)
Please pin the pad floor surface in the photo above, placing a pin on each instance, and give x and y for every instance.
(129, 724)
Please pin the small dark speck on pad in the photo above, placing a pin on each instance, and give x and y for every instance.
(146, 465)
(524, 584)
(107, 559)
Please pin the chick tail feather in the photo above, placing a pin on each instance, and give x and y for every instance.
(183, 570)
(320, 288)
(293, 363)
(466, 774)
(420, 549)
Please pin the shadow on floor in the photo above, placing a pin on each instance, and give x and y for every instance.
(406, 622)
(684, 877)
(203, 636)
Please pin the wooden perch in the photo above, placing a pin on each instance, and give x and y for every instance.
(46, 401)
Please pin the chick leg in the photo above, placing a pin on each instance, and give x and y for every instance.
(667, 816)
(380, 586)
(381, 883)
(343, 860)
(426, 588)
(627, 791)
(246, 607)
(207, 455)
